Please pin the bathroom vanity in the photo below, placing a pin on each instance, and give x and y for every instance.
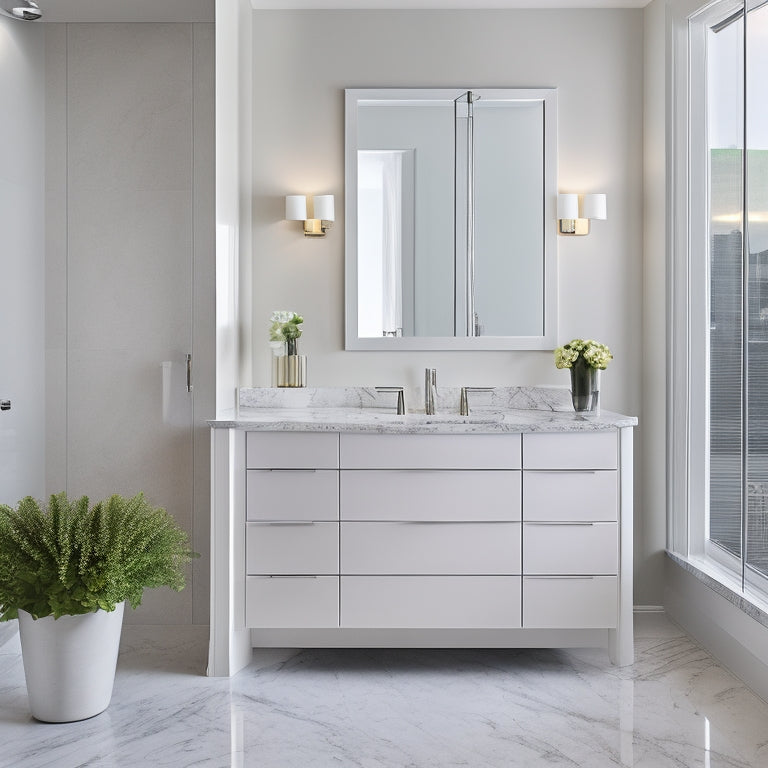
(353, 526)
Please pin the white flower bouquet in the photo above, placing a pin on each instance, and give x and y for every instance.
(593, 353)
(285, 331)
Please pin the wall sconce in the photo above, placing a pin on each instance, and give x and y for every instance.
(573, 216)
(323, 213)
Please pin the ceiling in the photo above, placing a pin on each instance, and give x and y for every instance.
(203, 10)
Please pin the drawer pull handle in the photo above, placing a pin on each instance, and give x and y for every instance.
(289, 522)
(572, 578)
(568, 471)
(289, 577)
(565, 522)
(291, 470)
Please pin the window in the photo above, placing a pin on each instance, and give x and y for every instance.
(727, 284)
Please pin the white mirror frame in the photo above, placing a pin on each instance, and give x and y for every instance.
(548, 340)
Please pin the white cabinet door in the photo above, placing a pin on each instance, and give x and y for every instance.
(430, 451)
(292, 494)
(571, 496)
(412, 494)
(292, 548)
(568, 602)
(430, 548)
(583, 450)
(420, 602)
(289, 602)
(292, 450)
(566, 548)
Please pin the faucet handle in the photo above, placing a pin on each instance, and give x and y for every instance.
(400, 398)
(464, 399)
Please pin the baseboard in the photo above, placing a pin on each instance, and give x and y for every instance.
(649, 609)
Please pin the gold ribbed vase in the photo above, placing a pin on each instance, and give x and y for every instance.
(290, 371)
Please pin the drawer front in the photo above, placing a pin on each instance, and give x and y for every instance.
(430, 451)
(413, 495)
(292, 494)
(430, 548)
(590, 602)
(553, 495)
(292, 548)
(292, 450)
(586, 450)
(561, 548)
(420, 602)
(291, 601)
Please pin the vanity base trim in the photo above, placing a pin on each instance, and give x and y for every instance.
(431, 638)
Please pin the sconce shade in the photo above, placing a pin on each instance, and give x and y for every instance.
(295, 207)
(568, 206)
(593, 207)
(324, 207)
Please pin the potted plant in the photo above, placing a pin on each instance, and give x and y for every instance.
(66, 572)
(585, 358)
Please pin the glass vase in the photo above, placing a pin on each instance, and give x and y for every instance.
(585, 387)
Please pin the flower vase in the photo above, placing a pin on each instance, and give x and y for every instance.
(289, 368)
(585, 386)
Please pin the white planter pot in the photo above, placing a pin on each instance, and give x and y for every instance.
(70, 663)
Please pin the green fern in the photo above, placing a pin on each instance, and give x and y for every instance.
(72, 558)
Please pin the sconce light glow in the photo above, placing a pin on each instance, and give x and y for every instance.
(574, 215)
(323, 214)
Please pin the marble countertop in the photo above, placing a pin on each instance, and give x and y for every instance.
(388, 422)
(362, 409)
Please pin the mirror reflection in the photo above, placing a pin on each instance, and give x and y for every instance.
(448, 225)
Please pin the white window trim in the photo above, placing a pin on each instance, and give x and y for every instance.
(688, 304)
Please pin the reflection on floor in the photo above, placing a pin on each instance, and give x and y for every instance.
(394, 708)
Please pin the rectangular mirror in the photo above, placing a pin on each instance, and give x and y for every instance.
(450, 219)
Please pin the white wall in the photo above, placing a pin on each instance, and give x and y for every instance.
(130, 163)
(302, 61)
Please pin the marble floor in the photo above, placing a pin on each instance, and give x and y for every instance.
(675, 707)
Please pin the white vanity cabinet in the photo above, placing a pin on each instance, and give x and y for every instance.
(292, 530)
(430, 531)
(345, 538)
(571, 530)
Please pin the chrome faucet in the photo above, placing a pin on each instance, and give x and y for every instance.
(430, 390)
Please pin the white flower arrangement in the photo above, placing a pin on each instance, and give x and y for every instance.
(593, 353)
(284, 331)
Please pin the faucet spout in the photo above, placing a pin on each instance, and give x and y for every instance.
(430, 390)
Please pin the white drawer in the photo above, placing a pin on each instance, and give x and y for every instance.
(291, 601)
(292, 450)
(586, 495)
(567, 548)
(405, 494)
(292, 494)
(580, 602)
(430, 451)
(292, 548)
(585, 450)
(430, 548)
(419, 602)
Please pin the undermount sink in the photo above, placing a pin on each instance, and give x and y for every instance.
(446, 418)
